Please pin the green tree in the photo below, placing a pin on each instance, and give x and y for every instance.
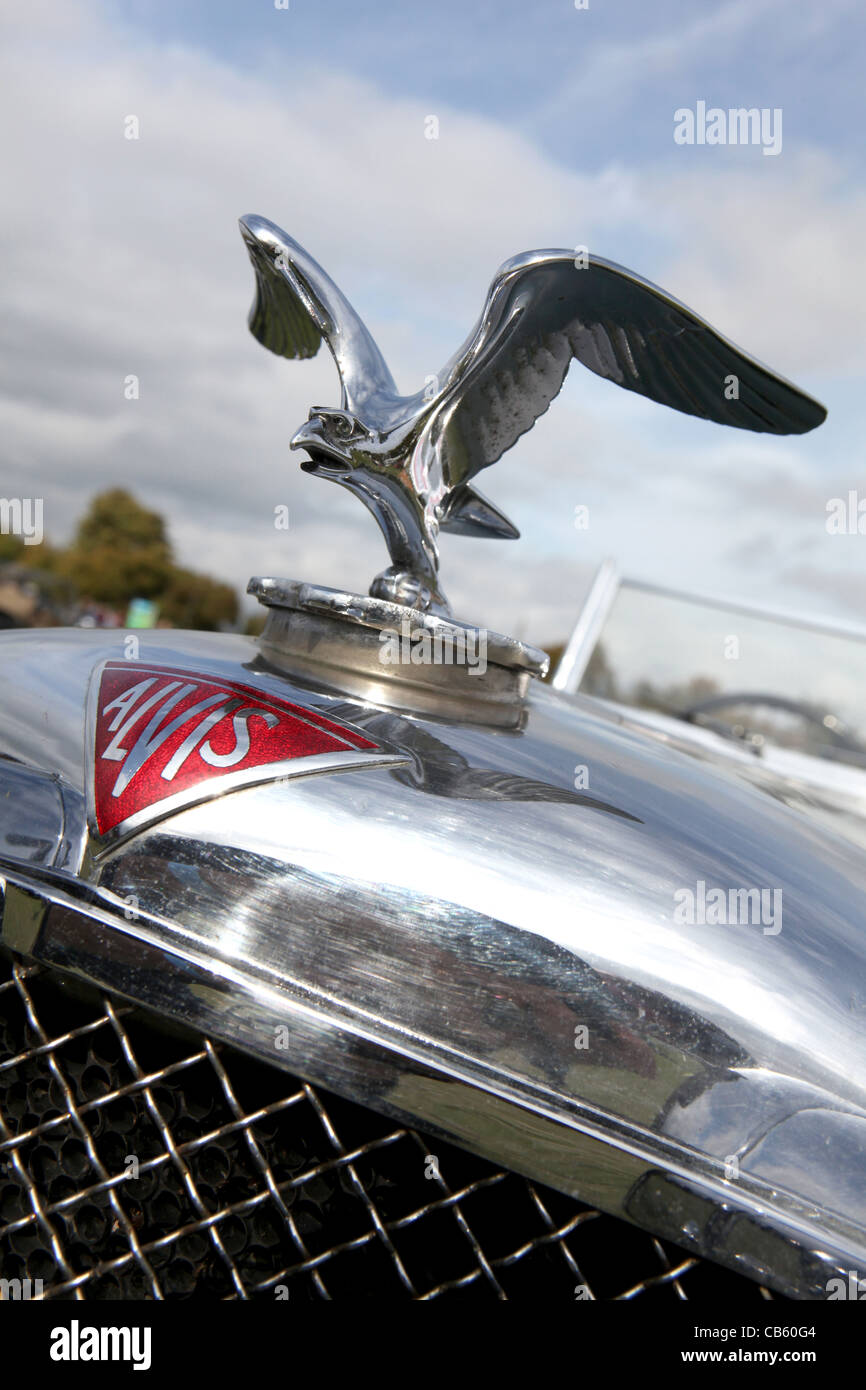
(120, 551)
(45, 557)
(197, 601)
(11, 548)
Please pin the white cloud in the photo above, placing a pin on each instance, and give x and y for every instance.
(614, 71)
(785, 253)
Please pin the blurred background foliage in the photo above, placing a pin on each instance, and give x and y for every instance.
(121, 551)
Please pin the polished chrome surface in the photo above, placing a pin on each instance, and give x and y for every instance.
(651, 1181)
(387, 655)
(381, 615)
(41, 820)
(433, 938)
(833, 794)
(411, 459)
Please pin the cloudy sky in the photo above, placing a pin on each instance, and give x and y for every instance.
(556, 125)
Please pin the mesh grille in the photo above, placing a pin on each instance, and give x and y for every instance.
(139, 1162)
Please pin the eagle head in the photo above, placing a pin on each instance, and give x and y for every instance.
(336, 441)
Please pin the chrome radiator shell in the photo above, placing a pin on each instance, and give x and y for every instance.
(432, 936)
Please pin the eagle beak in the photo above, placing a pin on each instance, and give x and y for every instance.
(306, 436)
(325, 456)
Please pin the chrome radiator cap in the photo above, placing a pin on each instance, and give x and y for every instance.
(387, 654)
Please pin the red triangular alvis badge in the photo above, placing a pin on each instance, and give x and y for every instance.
(161, 739)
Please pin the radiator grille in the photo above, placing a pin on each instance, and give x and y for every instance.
(138, 1162)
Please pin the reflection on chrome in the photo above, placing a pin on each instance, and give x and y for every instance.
(435, 932)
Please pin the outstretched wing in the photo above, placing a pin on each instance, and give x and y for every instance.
(542, 311)
(297, 305)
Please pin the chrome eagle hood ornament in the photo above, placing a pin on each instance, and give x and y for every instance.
(412, 459)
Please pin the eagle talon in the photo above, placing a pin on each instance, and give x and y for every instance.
(401, 586)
